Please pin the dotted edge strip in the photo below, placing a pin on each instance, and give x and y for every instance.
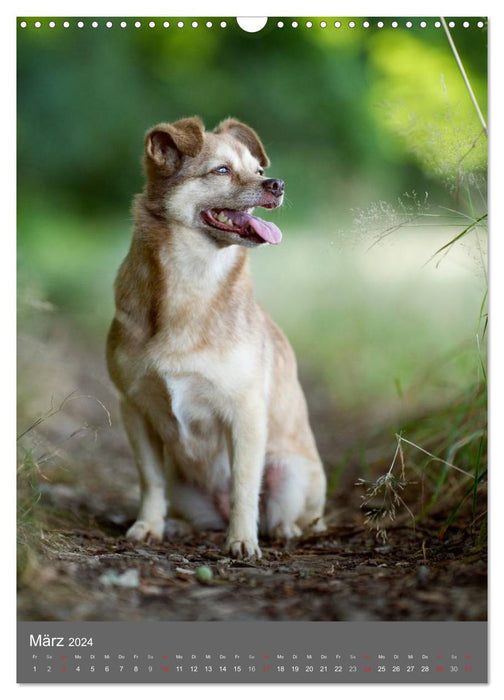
(109, 24)
(379, 24)
(280, 24)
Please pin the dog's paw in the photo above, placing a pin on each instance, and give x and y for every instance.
(318, 525)
(285, 531)
(246, 548)
(146, 530)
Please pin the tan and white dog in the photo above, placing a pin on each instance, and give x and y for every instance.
(209, 391)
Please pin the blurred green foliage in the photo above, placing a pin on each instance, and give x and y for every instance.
(435, 118)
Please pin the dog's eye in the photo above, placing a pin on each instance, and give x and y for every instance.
(260, 171)
(222, 170)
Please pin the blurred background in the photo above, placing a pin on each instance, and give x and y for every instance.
(368, 127)
(379, 283)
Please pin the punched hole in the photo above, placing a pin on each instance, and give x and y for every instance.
(252, 24)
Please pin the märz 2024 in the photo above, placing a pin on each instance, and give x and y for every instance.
(44, 640)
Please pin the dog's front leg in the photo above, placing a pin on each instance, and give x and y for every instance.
(148, 451)
(247, 450)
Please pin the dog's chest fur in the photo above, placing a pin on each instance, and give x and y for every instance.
(189, 403)
(197, 430)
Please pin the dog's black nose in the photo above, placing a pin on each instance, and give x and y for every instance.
(276, 187)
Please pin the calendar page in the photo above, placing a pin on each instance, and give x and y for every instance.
(252, 327)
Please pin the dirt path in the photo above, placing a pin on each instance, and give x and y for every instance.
(343, 575)
(82, 568)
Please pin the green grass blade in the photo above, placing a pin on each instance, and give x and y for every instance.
(460, 235)
(476, 474)
(455, 510)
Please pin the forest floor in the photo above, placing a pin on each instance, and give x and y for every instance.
(78, 493)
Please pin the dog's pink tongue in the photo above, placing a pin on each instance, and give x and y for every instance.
(265, 229)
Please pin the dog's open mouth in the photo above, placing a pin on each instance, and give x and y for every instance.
(248, 227)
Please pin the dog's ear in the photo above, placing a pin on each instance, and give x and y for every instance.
(166, 144)
(245, 135)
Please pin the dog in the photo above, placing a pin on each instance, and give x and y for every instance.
(210, 397)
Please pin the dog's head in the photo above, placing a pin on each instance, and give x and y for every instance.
(211, 181)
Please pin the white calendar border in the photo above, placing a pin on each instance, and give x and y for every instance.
(257, 8)
(242, 8)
